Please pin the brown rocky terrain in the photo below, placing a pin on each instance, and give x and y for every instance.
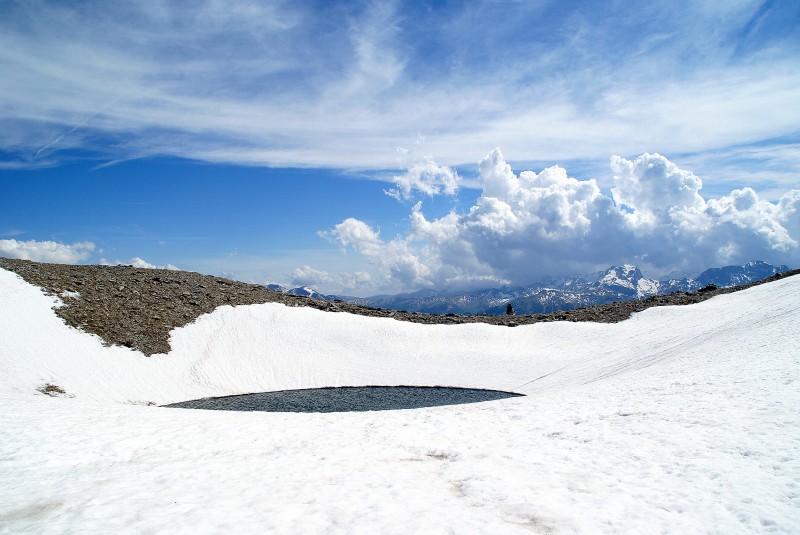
(138, 308)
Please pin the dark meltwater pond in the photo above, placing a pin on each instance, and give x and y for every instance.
(347, 399)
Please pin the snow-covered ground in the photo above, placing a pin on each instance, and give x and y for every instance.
(680, 420)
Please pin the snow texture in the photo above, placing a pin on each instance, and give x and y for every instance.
(679, 420)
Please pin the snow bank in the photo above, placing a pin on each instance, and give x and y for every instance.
(681, 420)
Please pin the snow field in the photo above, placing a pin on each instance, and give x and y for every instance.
(680, 420)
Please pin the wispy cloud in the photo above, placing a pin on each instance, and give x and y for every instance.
(774, 165)
(343, 84)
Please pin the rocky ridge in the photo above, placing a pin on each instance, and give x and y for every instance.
(137, 308)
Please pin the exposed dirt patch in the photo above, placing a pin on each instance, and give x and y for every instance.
(52, 390)
(138, 308)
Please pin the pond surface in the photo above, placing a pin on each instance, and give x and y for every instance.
(347, 399)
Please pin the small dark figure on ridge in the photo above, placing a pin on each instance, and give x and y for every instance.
(509, 310)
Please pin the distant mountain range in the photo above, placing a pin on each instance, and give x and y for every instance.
(617, 283)
(305, 291)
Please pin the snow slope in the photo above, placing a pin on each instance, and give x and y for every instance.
(680, 420)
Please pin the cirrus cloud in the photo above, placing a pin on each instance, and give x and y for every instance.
(299, 83)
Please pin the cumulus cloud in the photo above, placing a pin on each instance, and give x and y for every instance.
(427, 177)
(529, 225)
(308, 276)
(355, 280)
(47, 251)
(397, 259)
(138, 263)
(651, 186)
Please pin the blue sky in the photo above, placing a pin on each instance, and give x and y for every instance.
(337, 144)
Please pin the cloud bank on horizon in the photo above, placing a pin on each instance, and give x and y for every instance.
(65, 253)
(343, 84)
(526, 226)
(46, 251)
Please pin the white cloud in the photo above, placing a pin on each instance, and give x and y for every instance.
(789, 212)
(308, 276)
(651, 186)
(397, 259)
(530, 225)
(47, 251)
(376, 66)
(354, 281)
(285, 83)
(427, 177)
(138, 263)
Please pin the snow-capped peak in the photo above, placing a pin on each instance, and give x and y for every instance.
(305, 291)
(626, 275)
(628, 279)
